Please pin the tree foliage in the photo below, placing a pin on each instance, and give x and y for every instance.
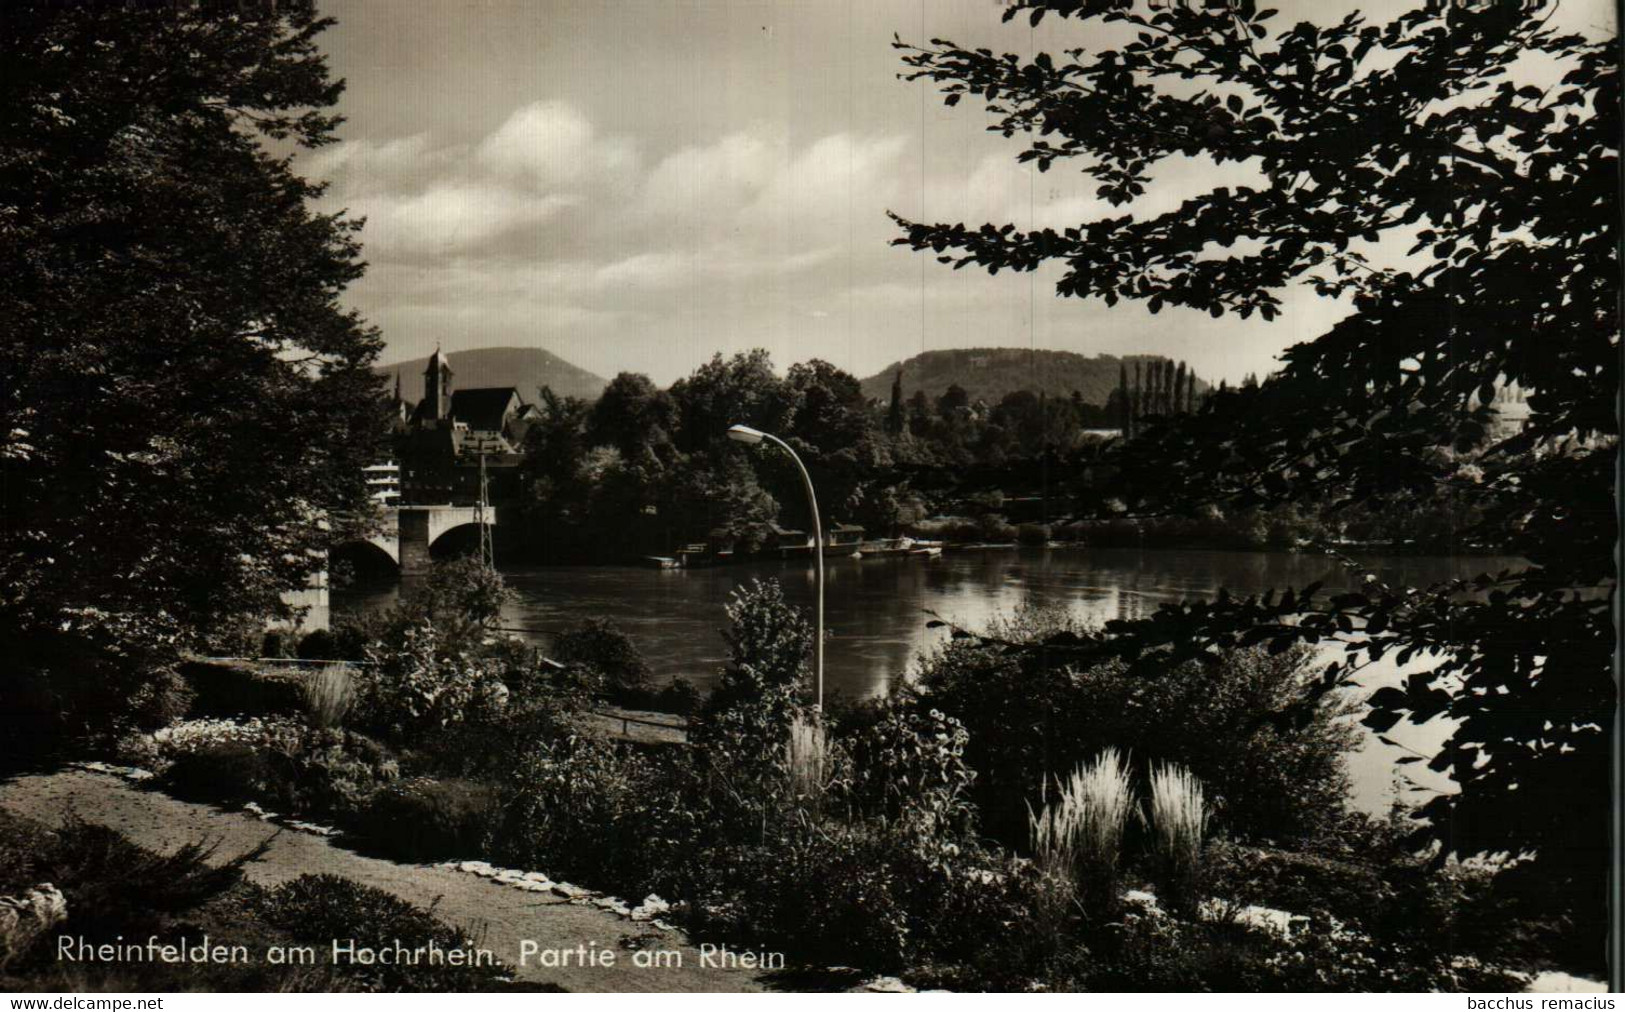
(1452, 176)
(181, 393)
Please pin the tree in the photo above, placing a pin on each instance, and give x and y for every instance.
(184, 396)
(894, 411)
(634, 416)
(1483, 142)
(1136, 403)
(724, 392)
(952, 400)
(830, 411)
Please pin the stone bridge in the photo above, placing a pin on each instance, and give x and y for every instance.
(407, 533)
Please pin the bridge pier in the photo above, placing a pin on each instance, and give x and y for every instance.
(414, 542)
(406, 533)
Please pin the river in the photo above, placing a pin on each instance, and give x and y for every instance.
(877, 610)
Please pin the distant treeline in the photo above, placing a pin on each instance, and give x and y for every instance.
(644, 470)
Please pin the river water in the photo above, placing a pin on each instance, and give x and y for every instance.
(877, 610)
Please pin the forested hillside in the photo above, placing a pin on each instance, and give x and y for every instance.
(990, 373)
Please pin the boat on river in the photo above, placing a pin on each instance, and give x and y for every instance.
(896, 548)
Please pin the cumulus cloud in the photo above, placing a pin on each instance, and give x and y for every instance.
(550, 145)
(452, 217)
(547, 202)
(552, 230)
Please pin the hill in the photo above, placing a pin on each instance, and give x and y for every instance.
(990, 373)
(528, 369)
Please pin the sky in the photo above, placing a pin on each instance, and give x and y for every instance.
(635, 185)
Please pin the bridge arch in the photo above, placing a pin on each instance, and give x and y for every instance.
(422, 527)
(461, 539)
(370, 555)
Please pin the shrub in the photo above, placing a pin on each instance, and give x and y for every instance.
(228, 773)
(424, 819)
(278, 643)
(115, 888)
(910, 767)
(993, 527)
(1178, 824)
(87, 684)
(111, 885)
(279, 763)
(1352, 891)
(321, 645)
(318, 909)
(1033, 534)
(1324, 954)
(241, 688)
(600, 645)
(574, 807)
(423, 682)
(1028, 712)
(679, 697)
(768, 645)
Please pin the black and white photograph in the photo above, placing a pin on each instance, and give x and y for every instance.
(810, 496)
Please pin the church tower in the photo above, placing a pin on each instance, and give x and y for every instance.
(437, 387)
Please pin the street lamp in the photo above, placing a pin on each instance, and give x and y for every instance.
(752, 437)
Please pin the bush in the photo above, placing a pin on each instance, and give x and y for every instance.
(241, 688)
(85, 685)
(321, 645)
(1034, 534)
(1028, 715)
(993, 527)
(576, 808)
(117, 891)
(320, 908)
(111, 885)
(1287, 880)
(423, 819)
(910, 767)
(679, 697)
(600, 646)
(278, 643)
(278, 763)
(425, 681)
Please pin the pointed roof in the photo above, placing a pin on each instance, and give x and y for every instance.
(436, 361)
(486, 408)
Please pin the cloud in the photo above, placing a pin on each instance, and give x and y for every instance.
(710, 181)
(550, 145)
(551, 230)
(548, 202)
(452, 218)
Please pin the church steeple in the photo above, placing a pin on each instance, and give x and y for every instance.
(437, 386)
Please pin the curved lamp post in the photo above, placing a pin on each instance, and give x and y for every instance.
(746, 434)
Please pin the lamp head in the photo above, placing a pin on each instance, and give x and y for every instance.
(745, 434)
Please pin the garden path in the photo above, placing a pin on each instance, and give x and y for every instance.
(496, 917)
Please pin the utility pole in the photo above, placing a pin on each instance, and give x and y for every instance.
(488, 557)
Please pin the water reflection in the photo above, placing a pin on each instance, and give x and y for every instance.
(877, 609)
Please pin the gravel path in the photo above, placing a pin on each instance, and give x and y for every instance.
(496, 917)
